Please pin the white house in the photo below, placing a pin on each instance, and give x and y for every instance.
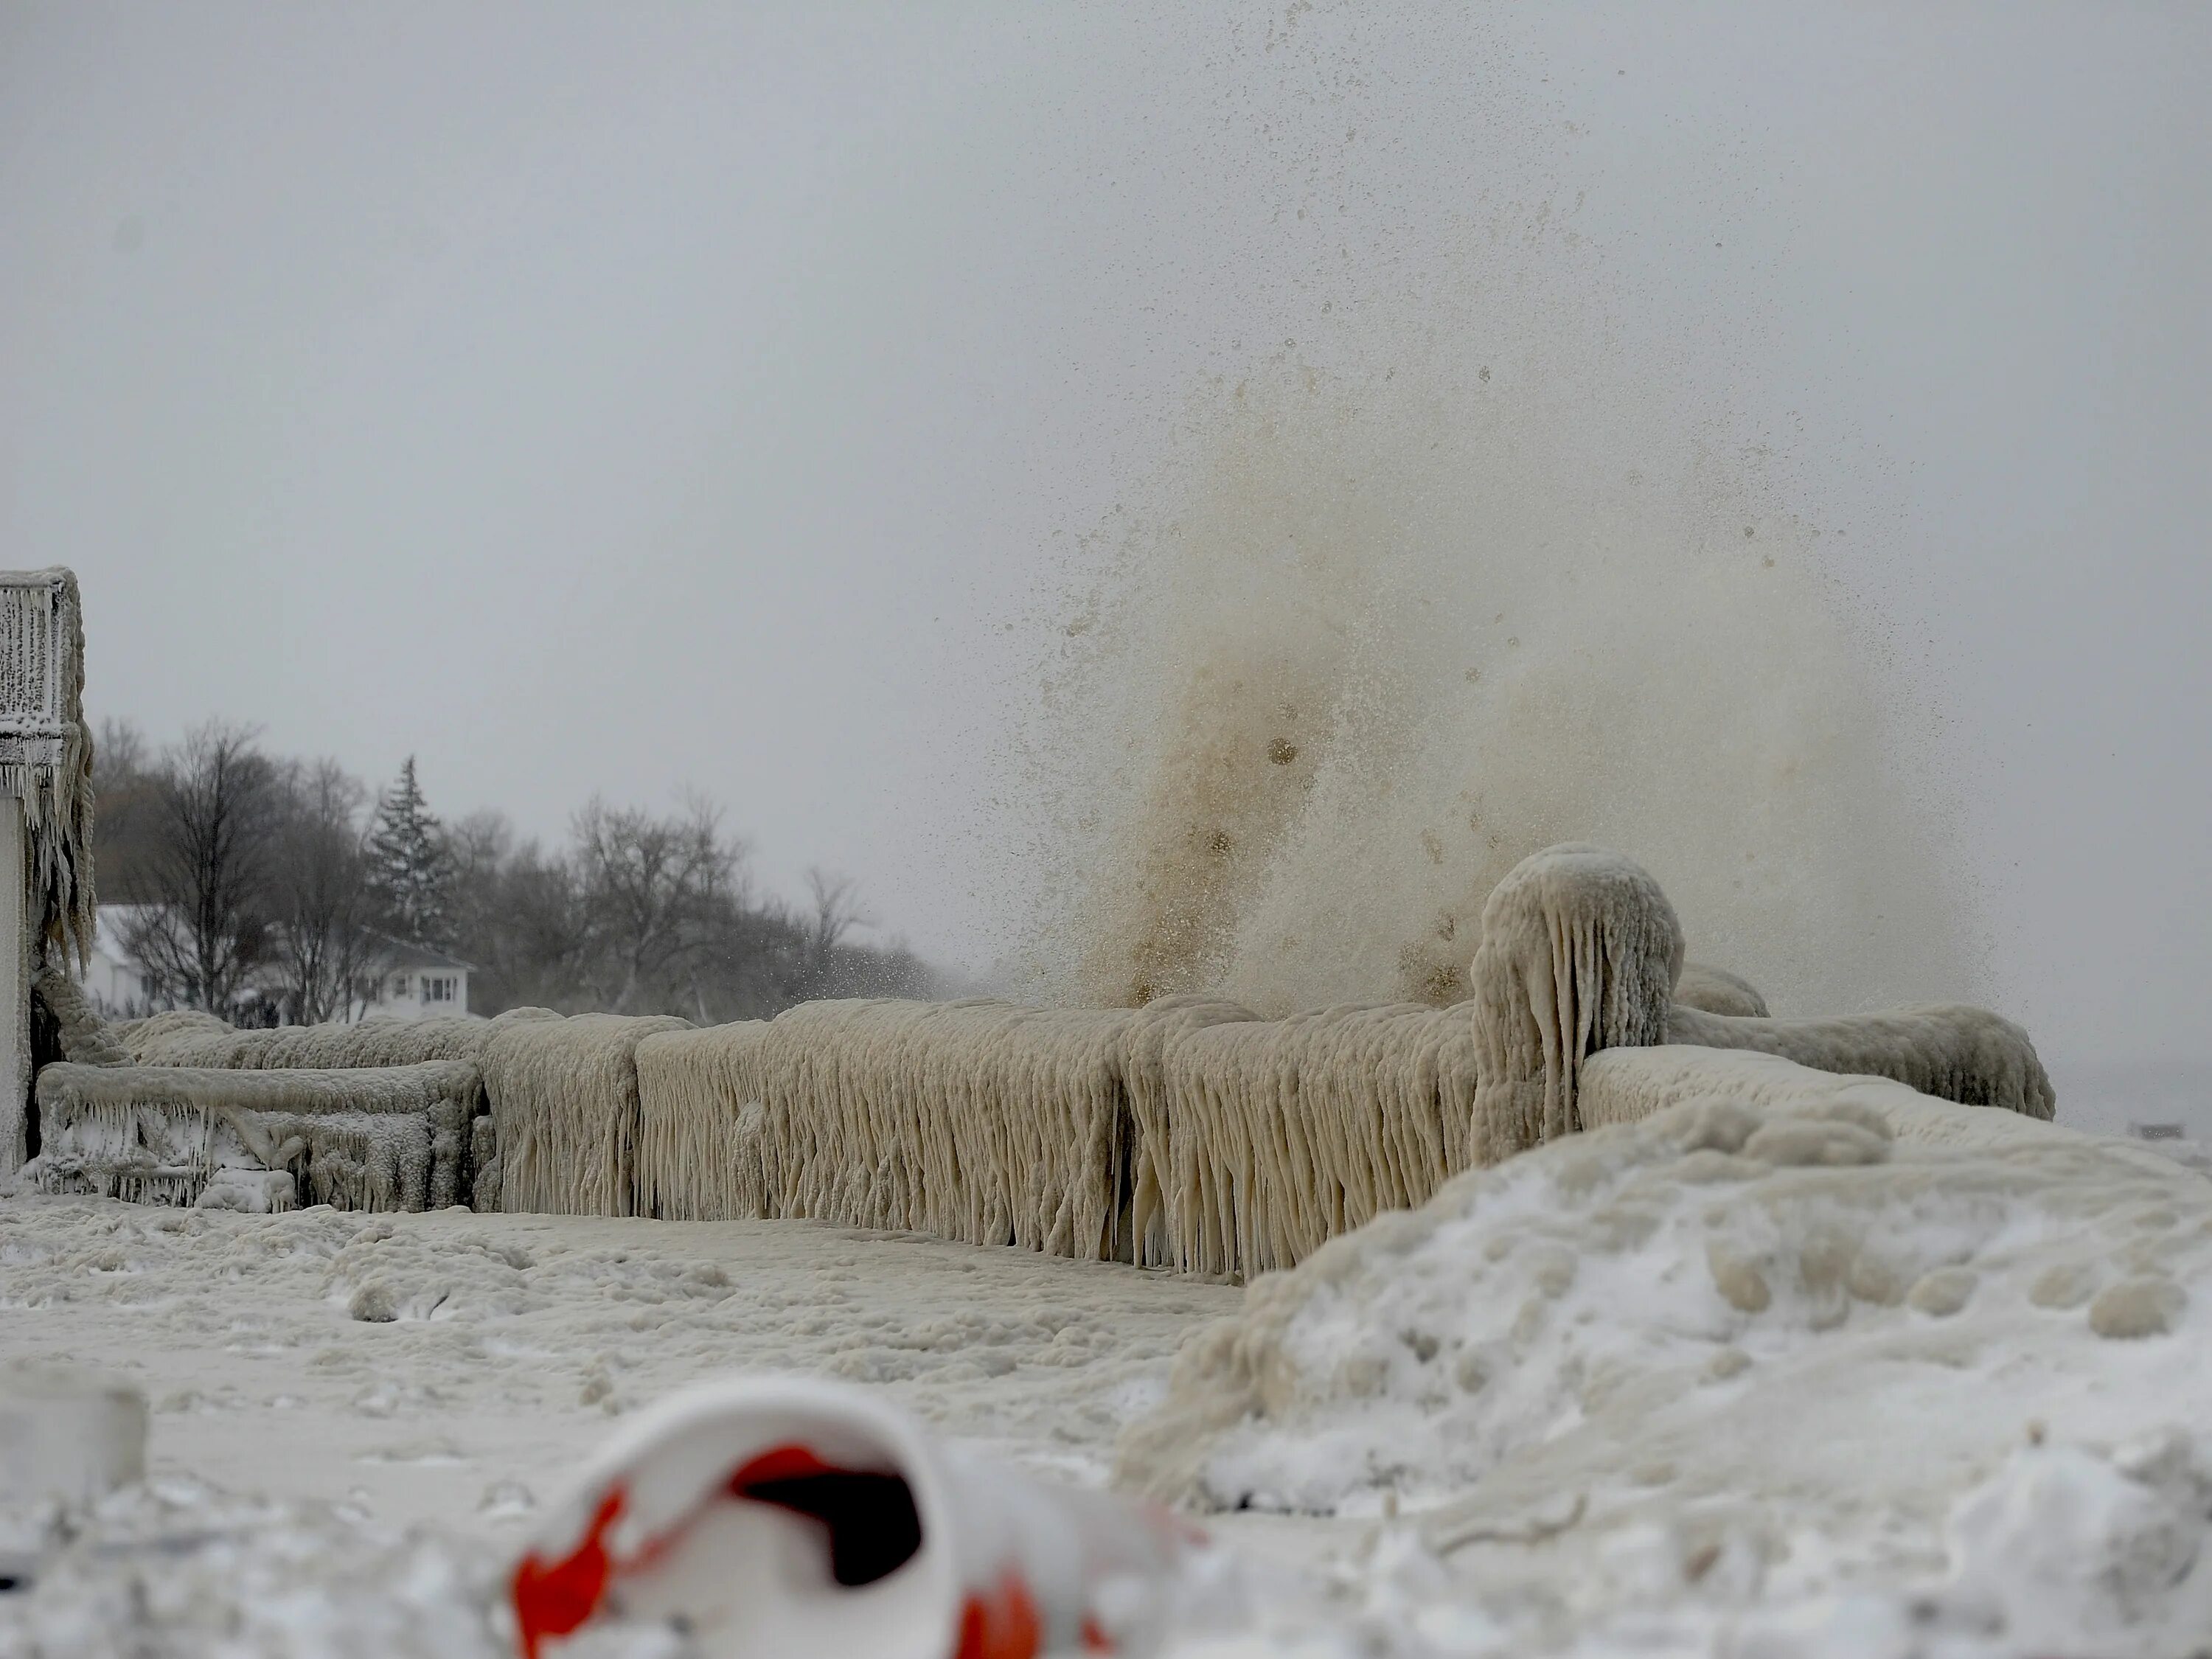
(116, 983)
(410, 982)
(416, 982)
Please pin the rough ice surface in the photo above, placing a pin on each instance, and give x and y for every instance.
(564, 1106)
(448, 1371)
(186, 1036)
(1188, 1133)
(1580, 952)
(1947, 1049)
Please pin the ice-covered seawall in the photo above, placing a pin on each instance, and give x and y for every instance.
(1193, 1133)
(1188, 1133)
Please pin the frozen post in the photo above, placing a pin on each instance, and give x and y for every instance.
(45, 814)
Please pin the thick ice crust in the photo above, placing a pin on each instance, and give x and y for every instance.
(186, 1036)
(976, 1121)
(85, 1038)
(1187, 1134)
(564, 1104)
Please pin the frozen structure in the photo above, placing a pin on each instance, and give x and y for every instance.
(564, 1106)
(46, 900)
(1193, 1134)
(560, 1094)
(1716, 991)
(1580, 951)
(397, 1114)
(1952, 1051)
(396, 1136)
(978, 1120)
(385, 1138)
(180, 1108)
(188, 1037)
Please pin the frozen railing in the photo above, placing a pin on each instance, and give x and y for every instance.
(46, 900)
(39, 670)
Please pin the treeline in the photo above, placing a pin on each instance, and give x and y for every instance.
(264, 887)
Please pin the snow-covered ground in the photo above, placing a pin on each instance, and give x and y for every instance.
(448, 1371)
(1791, 1378)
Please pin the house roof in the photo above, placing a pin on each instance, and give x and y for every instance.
(394, 954)
(109, 927)
(398, 953)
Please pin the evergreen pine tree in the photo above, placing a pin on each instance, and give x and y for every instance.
(407, 862)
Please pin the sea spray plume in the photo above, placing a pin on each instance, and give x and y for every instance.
(1189, 701)
(1488, 616)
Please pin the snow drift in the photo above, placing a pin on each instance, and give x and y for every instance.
(1789, 1334)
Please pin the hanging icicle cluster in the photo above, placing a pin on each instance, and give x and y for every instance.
(386, 1138)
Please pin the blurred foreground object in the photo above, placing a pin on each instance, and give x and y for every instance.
(68, 1437)
(804, 1520)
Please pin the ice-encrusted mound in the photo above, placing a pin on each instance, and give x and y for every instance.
(1740, 1354)
(83, 1036)
(1580, 951)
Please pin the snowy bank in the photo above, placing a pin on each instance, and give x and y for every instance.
(1794, 1347)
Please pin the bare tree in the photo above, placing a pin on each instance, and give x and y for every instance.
(209, 845)
(318, 893)
(126, 784)
(652, 892)
(517, 917)
(643, 913)
(836, 911)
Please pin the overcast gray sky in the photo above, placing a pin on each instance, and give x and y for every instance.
(630, 398)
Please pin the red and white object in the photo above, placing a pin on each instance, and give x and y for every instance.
(783, 1518)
